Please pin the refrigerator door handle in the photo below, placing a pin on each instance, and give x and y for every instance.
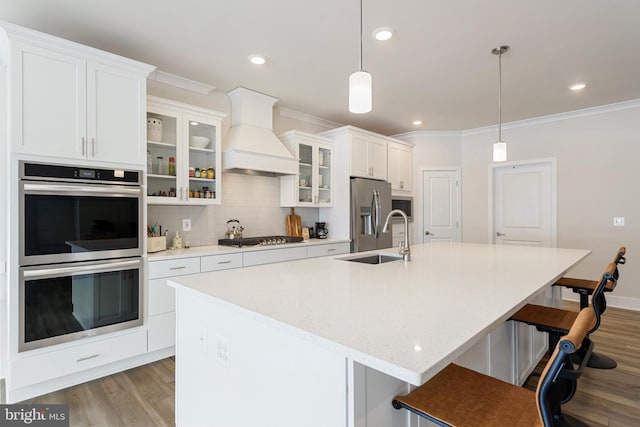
(376, 210)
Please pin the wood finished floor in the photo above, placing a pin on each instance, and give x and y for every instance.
(145, 396)
(609, 397)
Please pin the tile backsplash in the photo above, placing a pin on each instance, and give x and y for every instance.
(252, 200)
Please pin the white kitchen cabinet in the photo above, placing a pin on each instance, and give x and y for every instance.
(49, 365)
(75, 102)
(328, 249)
(397, 233)
(400, 167)
(313, 185)
(162, 300)
(273, 255)
(368, 157)
(220, 262)
(161, 297)
(171, 185)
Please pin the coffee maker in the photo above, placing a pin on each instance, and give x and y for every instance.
(321, 230)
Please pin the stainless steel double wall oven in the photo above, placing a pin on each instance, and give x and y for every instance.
(80, 242)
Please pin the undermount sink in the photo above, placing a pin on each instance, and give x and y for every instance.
(374, 259)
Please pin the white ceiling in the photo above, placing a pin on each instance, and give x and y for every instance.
(438, 67)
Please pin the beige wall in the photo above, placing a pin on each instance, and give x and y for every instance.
(597, 154)
(598, 175)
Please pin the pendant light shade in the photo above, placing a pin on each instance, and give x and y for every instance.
(360, 92)
(499, 147)
(499, 151)
(360, 87)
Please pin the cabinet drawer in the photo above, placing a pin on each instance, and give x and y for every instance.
(273, 255)
(173, 267)
(220, 262)
(58, 363)
(162, 331)
(330, 249)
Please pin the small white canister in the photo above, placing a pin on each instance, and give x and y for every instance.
(154, 129)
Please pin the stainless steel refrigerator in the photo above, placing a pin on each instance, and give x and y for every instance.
(370, 205)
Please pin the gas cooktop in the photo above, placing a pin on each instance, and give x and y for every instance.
(262, 241)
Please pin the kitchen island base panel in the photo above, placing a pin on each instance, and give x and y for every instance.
(292, 381)
(233, 370)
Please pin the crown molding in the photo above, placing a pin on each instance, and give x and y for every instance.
(427, 133)
(181, 82)
(294, 114)
(585, 112)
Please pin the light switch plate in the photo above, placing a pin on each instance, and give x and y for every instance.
(618, 221)
(186, 224)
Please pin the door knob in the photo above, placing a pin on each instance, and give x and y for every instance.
(427, 233)
(499, 234)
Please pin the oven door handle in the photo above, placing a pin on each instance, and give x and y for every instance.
(59, 188)
(38, 272)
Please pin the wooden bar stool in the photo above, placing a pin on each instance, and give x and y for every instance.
(460, 397)
(557, 321)
(585, 287)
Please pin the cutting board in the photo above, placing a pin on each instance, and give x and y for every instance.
(294, 224)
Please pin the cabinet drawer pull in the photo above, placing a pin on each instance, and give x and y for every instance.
(182, 267)
(224, 262)
(93, 356)
(331, 250)
(83, 145)
(93, 147)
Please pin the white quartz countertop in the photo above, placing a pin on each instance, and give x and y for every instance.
(220, 250)
(408, 320)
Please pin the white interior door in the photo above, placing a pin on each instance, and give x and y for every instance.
(441, 205)
(524, 213)
(524, 207)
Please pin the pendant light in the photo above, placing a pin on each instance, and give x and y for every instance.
(360, 92)
(499, 147)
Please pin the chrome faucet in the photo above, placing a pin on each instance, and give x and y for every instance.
(403, 247)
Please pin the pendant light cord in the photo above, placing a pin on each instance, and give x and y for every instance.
(360, 35)
(500, 96)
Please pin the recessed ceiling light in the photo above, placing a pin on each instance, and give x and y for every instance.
(417, 122)
(258, 59)
(383, 33)
(578, 86)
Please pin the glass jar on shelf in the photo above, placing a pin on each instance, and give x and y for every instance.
(211, 174)
(161, 166)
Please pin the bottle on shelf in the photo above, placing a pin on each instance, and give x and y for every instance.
(149, 163)
(172, 166)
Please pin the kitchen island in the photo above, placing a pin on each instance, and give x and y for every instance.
(329, 342)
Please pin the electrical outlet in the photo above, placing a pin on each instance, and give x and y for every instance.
(618, 221)
(186, 224)
(222, 350)
(203, 338)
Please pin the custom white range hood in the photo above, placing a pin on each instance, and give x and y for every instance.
(250, 146)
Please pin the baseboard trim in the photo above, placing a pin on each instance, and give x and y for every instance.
(626, 303)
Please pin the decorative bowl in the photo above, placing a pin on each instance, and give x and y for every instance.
(199, 141)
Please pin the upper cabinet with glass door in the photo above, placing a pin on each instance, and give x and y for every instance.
(313, 185)
(183, 153)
